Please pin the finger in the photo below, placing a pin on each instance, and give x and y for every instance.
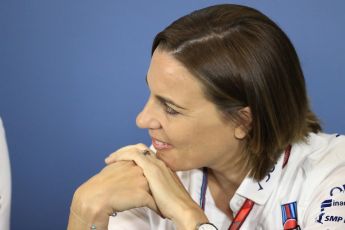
(137, 156)
(130, 148)
(138, 147)
(148, 163)
(121, 168)
(117, 156)
(108, 159)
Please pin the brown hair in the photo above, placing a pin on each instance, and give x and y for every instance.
(242, 58)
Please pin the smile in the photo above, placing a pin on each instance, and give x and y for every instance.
(159, 145)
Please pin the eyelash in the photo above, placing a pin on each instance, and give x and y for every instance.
(168, 109)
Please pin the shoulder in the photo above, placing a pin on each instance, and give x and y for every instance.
(322, 162)
(325, 152)
(320, 157)
(325, 203)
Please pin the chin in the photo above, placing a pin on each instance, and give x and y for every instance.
(170, 162)
(175, 165)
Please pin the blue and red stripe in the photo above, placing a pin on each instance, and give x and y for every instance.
(289, 215)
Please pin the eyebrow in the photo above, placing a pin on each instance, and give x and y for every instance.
(166, 100)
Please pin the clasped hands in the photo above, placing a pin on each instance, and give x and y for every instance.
(132, 179)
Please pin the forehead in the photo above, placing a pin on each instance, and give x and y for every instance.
(168, 77)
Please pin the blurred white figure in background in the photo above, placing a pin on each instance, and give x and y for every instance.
(5, 182)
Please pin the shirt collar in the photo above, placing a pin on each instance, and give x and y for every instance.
(260, 191)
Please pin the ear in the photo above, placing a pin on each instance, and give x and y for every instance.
(244, 123)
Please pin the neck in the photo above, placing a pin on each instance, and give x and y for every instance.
(229, 175)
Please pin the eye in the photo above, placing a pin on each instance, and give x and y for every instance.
(168, 109)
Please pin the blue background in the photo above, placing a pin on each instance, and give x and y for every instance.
(72, 79)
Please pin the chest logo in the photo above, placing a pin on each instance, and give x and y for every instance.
(289, 215)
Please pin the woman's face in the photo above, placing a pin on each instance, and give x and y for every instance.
(187, 130)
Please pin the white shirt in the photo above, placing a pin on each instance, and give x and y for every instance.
(313, 181)
(5, 182)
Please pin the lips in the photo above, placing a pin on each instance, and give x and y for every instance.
(160, 145)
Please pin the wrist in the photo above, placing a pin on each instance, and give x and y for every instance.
(86, 213)
(190, 218)
(76, 222)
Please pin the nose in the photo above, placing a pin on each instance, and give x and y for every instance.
(147, 118)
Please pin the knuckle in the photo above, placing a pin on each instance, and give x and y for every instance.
(78, 194)
(111, 155)
(128, 163)
(124, 149)
(141, 146)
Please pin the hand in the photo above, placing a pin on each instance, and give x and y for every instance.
(118, 187)
(170, 196)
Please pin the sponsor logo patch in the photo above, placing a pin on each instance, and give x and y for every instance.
(289, 215)
(326, 205)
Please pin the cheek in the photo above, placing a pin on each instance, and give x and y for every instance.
(185, 155)
(191, 137)
(190, 150)
(195, 144)
(179, 134)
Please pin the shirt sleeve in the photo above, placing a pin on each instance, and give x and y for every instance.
(128, 220)
(5, 182)
(327, 207)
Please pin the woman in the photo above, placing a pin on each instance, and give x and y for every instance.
(234, 141)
